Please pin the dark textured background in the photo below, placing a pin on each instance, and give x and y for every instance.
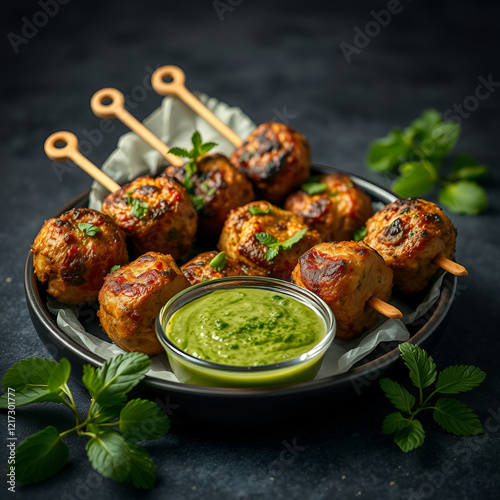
(263, 56)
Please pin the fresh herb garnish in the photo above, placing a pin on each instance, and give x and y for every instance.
(113, 453)
(360, 233)
(450, 414)
(312, 188)
(139, 208)
(259, 211)
(198, 149)
(274, 246)
(198, 201)
(209, 191)
(418, 151)
(89, 229)
(218, 262)
(334, 193)
(114, 268)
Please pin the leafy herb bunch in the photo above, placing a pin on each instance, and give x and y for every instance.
(113, 453)
(449, 413)
(419, 151)
(199, 149)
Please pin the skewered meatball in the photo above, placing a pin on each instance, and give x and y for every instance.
(345, 275)
(238, 239)
(132, 297)
(409, 234)
(156, 213)
(221, 187)
(276, 159)
(337, 211)
(73, 263)
(199, 267)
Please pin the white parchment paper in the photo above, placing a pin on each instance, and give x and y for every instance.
(174, 123)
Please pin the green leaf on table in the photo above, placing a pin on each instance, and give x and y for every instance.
(218, 263)
(397, 395)
(360, 233)
(384, 154)
(59, 376)
(456, 417)
(421, 365)
(410, 436)
(29, 378)
(142, 468)
(106, 413)
(464, 197)
(416, 179)
(40, 456)
(459, 378)
(109, 455)
(423, 125)
(142, 419)
(110, 383)
(465, 167)
(394, 422)
(444, 136)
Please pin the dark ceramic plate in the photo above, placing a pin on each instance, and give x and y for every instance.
(247, 406)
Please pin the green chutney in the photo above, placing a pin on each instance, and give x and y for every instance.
(245, 327)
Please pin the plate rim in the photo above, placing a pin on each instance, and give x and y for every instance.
(446, 298)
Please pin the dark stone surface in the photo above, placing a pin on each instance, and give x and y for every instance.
(263, 56)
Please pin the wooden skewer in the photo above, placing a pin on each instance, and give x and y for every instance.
(384, 308)
(450, 266)
(109, 103)
(68, 150)
(177, 88)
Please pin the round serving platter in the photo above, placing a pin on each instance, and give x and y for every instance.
(246, 406)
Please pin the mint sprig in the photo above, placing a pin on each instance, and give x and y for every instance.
(112, 446)
(274, 246)
(199, 149)
(419, 152)
(450, 414)
(139, 208)
(89, 229)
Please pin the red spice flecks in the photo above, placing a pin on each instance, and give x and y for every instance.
(159, 266)
(69, 238)
(177, 196)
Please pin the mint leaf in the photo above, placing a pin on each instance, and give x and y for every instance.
(416, 179)
(360, 233)
(109, 455)
(114, 268)
(198, 202)
(117, 376)
(444, 136)
(100, 414)
(398, 395)
(206, 147)
(312, 188)
(384, 154)
(40, 456)
(464, 197)
(218, 262)
(183, 153)
(30, 379)
(89, 229)
(271, 253)
(421, 365)
(59, 376)
(394, 422)
(423, 125)
(459, 378)
(142, 468)
(208, 190)
(456, 417)
(410, 436)
(142, 419)
(196, 140)
(259, 211)
(465, 167)
(266, 239)
(286, 245)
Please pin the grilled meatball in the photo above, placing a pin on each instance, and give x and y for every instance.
(337, 211)
(345, 275)
(238, 239)
(165, 222)
(275, 158)
(409, 234)
(199, 267)
(132, 297)
(73, 263)
(220, 186)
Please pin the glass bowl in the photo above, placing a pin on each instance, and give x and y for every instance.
(191, 370)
